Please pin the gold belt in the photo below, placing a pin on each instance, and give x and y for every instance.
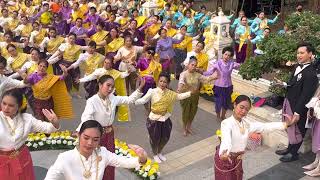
(12, 153)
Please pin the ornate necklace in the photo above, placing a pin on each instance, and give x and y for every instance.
(241, 127)
(87, 172)
(13, 128)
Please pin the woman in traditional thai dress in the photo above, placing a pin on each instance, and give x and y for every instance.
(24, 29)
(92, 19)
(112, 43)
(165, 13)
(14, 22)
(76, 13)
(51, 43)
(66, 11)
(149, 69)
(106, 14)
(202, 57)
(119, 81)
(189, 22)
(70, 53)
(61, 25)
(243, 46)
(314, 123)
(16, 59)
(136, 34)
(151, 28)
(190, 80)
(178, 16)
(27, 9)
(90, 157)
(8, 39)
(237, 21)
(181, 49)
(37, 35)
(49, 92)
(140, 19)
(110, 23)
(102, 108)
(165, 50)
(92, 60)
(223, 85)
(261, 22)
(28, 68)
(171, 32)
(99, 37)
(15, 159)
(158, 122)
(128, 55)
(123, 20)
(80, 31)
(235, 132)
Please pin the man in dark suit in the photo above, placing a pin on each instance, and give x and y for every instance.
(300, 89)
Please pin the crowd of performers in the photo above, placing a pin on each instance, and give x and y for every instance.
(49, 49)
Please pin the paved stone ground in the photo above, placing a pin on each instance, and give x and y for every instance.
(189, 158)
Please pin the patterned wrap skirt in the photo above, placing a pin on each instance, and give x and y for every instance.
(225, 170)
(107, 141)
(17, 166)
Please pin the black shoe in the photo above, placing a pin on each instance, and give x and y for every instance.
(289, 158)
(282, 152)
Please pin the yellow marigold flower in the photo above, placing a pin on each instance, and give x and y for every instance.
(218, 133)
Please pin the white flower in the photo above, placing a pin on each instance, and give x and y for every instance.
(29, 144)
(59, 141)
(69, 143)
(48, 141)
(137, 168)
(54, 142)
(145, 175)
(64, 141)
(74, 143)
(121, 150)
(125, 152)
(141, 172)
(41, 143)
(116, 151)
(147, 168)
(152, 177)
(44, 139)
(35, 145)
(49, 137)
(36, 138)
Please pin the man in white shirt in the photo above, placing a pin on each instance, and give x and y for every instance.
(300, 89)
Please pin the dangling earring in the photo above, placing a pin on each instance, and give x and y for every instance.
(78, 143)
(99, 148)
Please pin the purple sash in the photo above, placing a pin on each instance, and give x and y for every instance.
(293, 131)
